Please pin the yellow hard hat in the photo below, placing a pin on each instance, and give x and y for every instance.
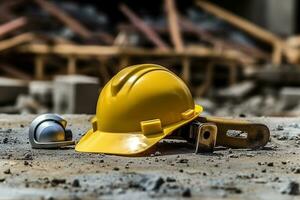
(136, 109)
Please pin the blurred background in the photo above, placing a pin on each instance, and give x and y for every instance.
(239, 58)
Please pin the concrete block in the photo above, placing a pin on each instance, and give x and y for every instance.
(281, 16)
(75, 94)
(237, 91)
(10, 89)
(290, 96)
(41, 91)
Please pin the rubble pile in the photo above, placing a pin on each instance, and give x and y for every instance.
(241, 100)
(210, 48)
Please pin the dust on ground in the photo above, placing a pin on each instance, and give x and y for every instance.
(171, 171)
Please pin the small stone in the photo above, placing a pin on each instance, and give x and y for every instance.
(116, 168)
(57, 181)
(7, 171)
(294, 125)
(152, 183)
(275, 179)
(183, 160)
(76, 183)
(26, 163)
(233, 156)
(282, 137)
(283, 162)
(157, 153)
(170, 179)
(270, 164)
(187, 193)
(296, 171)
(5, 141)
(279, 128)
(264, 171)
(28, 156)
(292, 188)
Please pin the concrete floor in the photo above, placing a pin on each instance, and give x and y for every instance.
(172, 172)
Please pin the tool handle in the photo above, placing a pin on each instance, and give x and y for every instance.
(257, 134)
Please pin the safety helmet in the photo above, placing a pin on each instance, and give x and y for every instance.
(136, 109)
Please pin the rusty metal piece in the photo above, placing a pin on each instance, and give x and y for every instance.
(207, 132)
(257, 134)
(206, 137)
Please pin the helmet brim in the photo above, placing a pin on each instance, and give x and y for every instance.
(126, 143)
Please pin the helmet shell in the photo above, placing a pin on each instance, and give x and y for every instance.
(136, 109)
(142, 93)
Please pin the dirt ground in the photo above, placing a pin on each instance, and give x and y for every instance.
(172, 171)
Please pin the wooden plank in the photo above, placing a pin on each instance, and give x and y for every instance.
(99, 51)
(233, 73)
(71, 65)
(187, 26)
(105, 77)
(121, 39)
(70, 49)
(208, 79)
(186, 70)
(277, 53)
(72, 23)
(65, 18)
(12, 25)
(124, 62)
(104, 37)
(15, 72)
(143, 27)
(39, 65)
(291, 50)
(191, 27)
(239, 22)
(174, 25)
(15, 41)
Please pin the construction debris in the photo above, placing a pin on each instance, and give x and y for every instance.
(85, 40)
(237, 91)
(209, 47)
(176, 173)
(75, 94)
(292, 188)
(55, 56)
(42, 91)
(10, 89)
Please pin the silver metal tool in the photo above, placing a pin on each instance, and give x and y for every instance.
(49, 131)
